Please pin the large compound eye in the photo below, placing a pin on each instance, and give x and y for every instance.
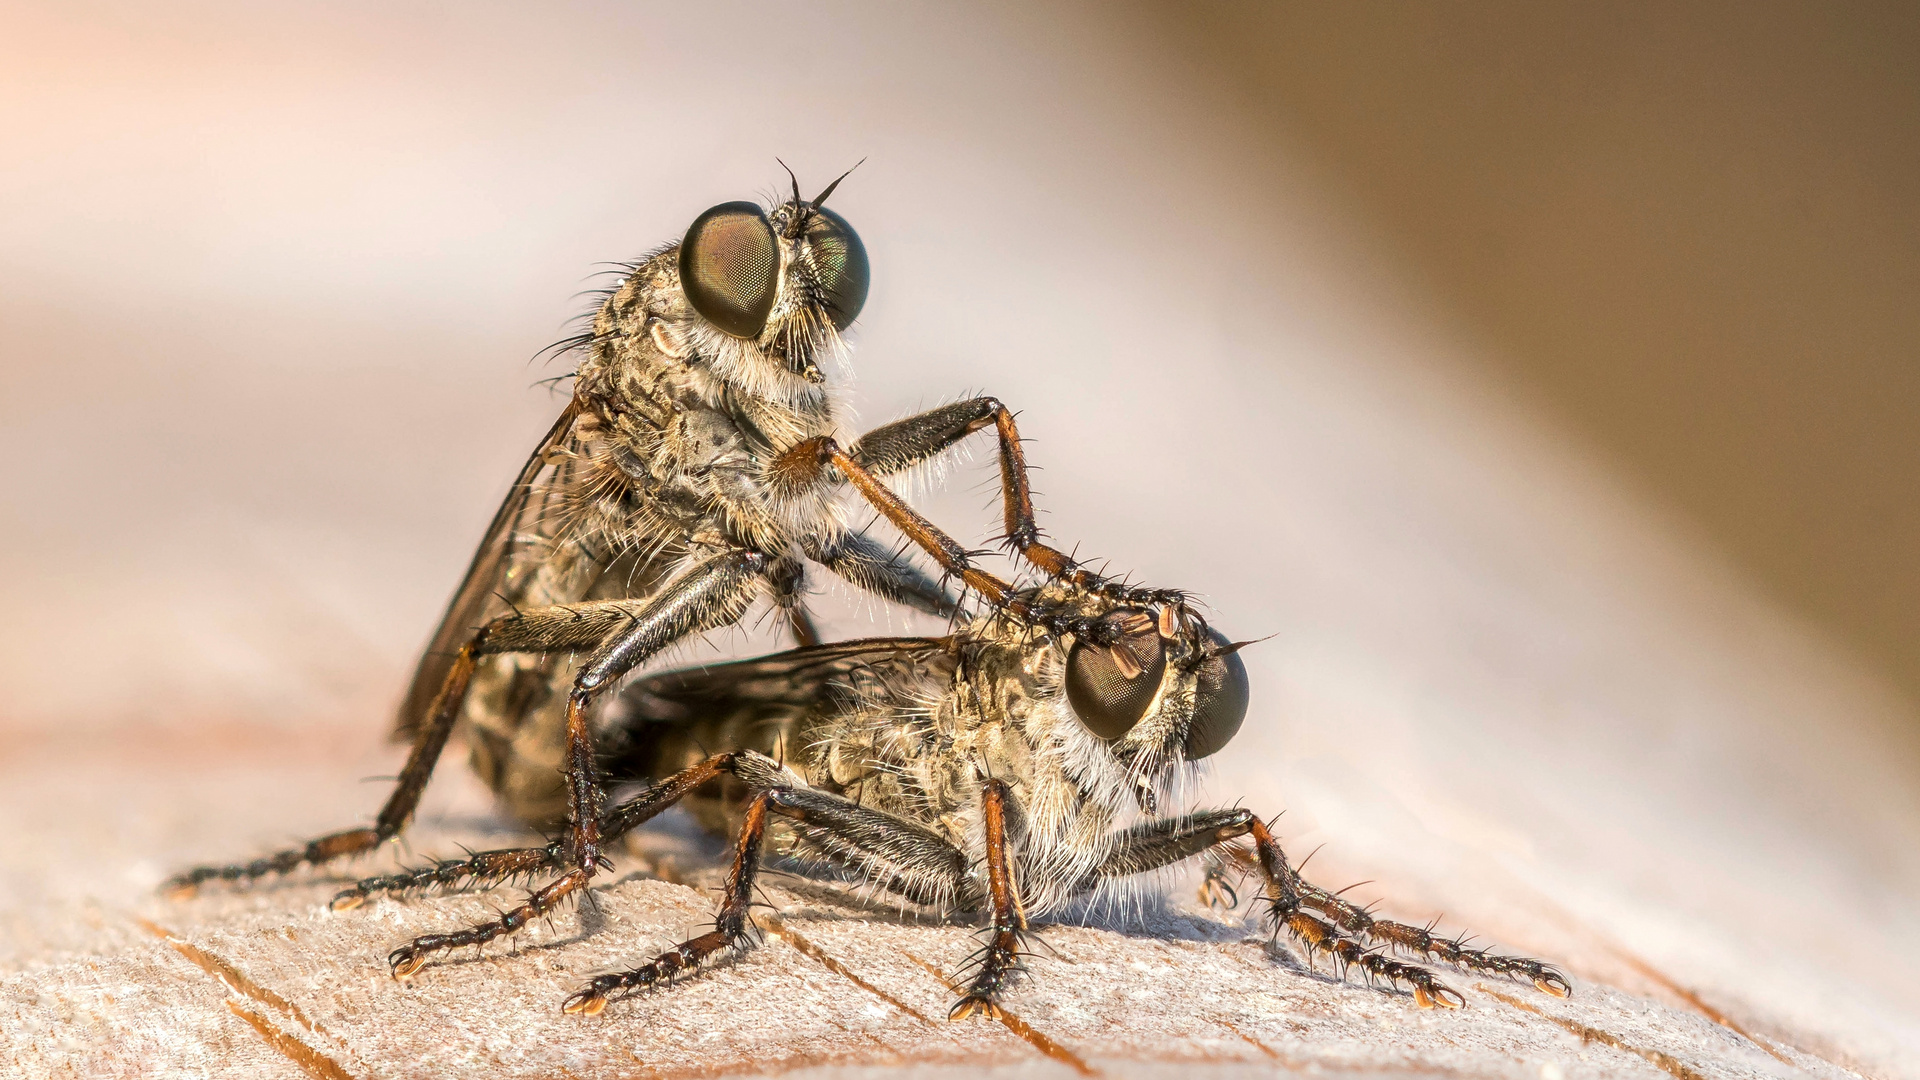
(841, 260)
(1219, 700)
(1111, 687)
(729, 264)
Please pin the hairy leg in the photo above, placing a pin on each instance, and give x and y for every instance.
(892, 853)
(899, 856)
(871, 566)
(997, 963)
(428, 741)
(730, 931)
(1421, 941)
(714, 593)
(905, 443)
(1292, 900)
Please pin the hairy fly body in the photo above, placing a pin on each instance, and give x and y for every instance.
(1009, 769)
(696, 469)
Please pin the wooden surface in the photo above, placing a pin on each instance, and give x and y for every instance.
(108, 979)
(271, 283)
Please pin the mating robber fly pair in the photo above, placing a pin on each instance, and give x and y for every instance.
(1015, 766)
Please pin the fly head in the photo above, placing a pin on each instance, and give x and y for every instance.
(775, 287)
(1162, 689)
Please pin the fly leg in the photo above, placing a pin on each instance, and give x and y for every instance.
(729, 933)
(999, 961)
(488, 868)
(787, 586)
(905, 443)
(869, 565)
(712, 594)
(1421, 941)
(805, 461)
(894, 853)
(1292, 901)
(481, 870)
(428, 741)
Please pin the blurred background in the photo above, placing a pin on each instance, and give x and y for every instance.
(1543, 377)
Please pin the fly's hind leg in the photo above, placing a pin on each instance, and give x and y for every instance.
(481, 870)
(621, 634)
(486, 869)
(428, 741)
(899, 855)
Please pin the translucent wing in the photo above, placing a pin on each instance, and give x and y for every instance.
(476, 601)
(788, 683)
(667, 721)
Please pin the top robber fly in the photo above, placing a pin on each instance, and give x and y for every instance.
(695, 468)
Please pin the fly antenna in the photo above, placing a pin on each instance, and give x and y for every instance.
(820, 199)
(796, 181)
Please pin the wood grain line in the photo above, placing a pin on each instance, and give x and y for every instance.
(1008, 1019)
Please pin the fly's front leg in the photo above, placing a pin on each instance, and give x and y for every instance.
(807, 463)
(1163, 843)
(1000, 959)
(903, 444)
(906, 443)
(712, 594)
(1421, 941)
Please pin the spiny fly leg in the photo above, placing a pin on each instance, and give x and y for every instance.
(711, 594)
(1217, 891)
(314, 853)
(482, 870)
(409, 958)
(907, 857)
(1421, 941)
(1317, 937)
(428, 741)
(1285, 895)
(996, 964)
(730, 933)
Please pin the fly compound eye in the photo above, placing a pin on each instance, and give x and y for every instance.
(1219, 699)
(841, 261)
(729, 265)
(1110, 687)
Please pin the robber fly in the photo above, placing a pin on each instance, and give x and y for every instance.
(696, 468)
(1010, 768)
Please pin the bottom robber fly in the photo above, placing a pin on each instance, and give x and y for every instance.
(1007, 769)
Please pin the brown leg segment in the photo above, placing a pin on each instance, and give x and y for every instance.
(1288, 897)
(481, 870)
(729, 933)
(801, 465)
(1000, 959)
(1421, 940)
(582, 851)
(905, 443)
(486, 869)
(408, 958)
(429, 741)
(715, 593)
(1285, 890)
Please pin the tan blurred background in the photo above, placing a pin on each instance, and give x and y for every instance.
(1543, 377)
